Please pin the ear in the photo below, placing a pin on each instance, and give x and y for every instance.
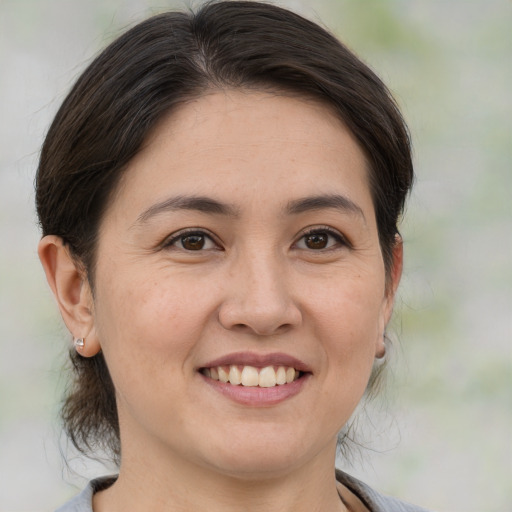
(71, 289)
(392, 282)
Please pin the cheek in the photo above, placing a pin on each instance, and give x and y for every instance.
(347, 321)
(155, 323)
(349, 309)
(148, 332)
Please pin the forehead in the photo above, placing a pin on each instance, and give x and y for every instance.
(245, 144)
(249, 118)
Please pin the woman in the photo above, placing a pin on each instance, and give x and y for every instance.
(219, 197)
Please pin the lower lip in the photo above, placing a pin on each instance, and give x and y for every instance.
(254, 395)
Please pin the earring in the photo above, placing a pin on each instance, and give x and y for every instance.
(80, 343)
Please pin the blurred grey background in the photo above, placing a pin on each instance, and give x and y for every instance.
(442, 436)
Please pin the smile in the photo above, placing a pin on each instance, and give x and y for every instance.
(251, 376)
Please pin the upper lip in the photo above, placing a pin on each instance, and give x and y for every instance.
(258, 360)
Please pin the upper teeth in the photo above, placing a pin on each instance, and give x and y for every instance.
(251, 376)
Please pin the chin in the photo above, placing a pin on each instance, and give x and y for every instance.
(261, 457)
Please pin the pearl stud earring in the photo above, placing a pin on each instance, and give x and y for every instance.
(79, 343)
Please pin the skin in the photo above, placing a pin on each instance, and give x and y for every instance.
(160, 311)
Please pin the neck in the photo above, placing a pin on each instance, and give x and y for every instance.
(152, 482)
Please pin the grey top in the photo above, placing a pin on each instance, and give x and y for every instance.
(374, 501)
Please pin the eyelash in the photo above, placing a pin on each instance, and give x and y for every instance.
(168, 243)
(341, 241)
(319, 230)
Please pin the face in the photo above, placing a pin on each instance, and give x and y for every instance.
(241, 246)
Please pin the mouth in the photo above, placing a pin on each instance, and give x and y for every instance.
(255, 379)
(253, 376)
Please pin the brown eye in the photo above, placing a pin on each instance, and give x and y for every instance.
(321, 239)
(193, 242)
(316, 240)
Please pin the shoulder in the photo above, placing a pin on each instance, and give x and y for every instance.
(80, 503)
(375, 501)
(83, 501)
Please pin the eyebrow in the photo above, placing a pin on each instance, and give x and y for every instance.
(198, 203)
(323, 202)
(212, 206)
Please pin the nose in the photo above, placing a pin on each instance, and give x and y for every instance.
(258, 299)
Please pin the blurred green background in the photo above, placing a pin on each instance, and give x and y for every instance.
(442, 435)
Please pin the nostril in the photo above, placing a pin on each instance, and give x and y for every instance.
(261, 330)
(246, 315)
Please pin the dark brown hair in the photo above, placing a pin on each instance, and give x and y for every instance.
(144, 75)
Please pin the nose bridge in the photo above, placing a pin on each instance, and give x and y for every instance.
(259, 297)
(265, 279)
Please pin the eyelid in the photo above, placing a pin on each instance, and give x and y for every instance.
(311, 230)
(174, 237)
(170, 240)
